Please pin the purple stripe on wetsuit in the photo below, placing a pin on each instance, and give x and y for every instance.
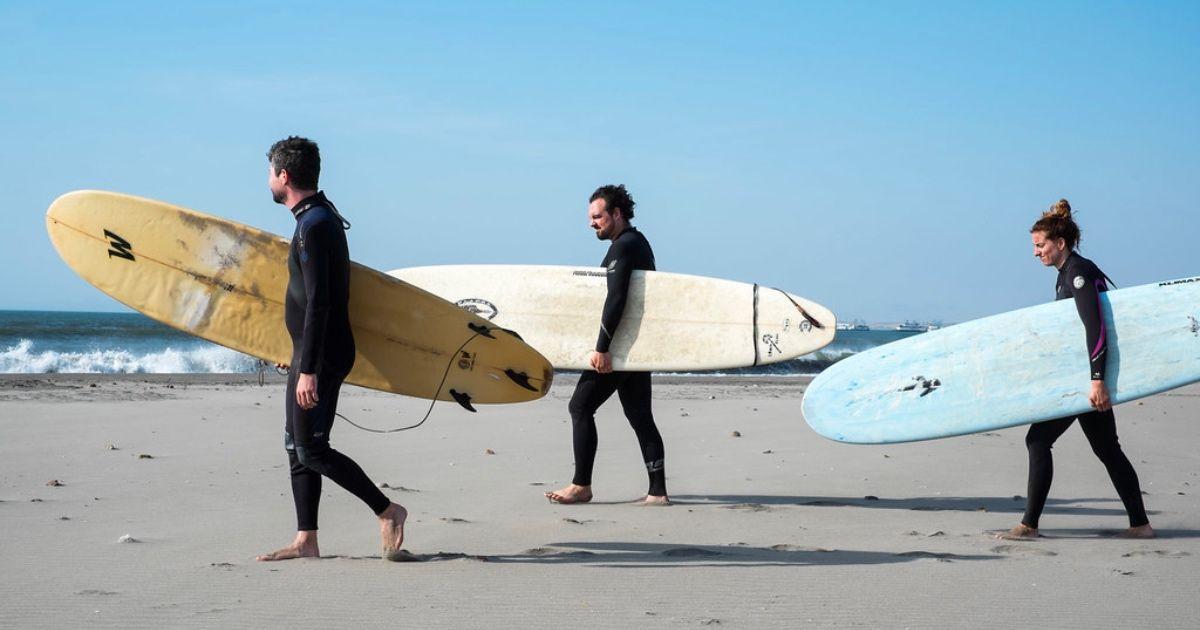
(1100, 288)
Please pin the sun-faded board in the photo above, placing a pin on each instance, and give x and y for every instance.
(225, 282)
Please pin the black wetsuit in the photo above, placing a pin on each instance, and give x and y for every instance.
(629, 251)
(317, 313)
(1082, 281)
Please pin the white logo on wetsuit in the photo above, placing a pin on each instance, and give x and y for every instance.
(612, 266)
(1078, 282)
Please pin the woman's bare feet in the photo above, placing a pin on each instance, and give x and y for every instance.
(305, 546)
(1139, 532)
(571, 494)
(652, 499)
(1020, 532)
(391, 530)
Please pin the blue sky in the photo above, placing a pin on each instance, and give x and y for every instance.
(885, 159)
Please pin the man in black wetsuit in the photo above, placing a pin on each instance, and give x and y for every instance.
(1055, 236)
(609, 211)
(316, 310)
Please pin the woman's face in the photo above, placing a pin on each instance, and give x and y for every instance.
(1051, 251)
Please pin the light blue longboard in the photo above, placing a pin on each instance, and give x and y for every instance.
(1019, 367)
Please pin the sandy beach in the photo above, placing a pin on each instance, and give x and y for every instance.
(777, 527)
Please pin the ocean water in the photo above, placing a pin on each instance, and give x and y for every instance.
(48, 342)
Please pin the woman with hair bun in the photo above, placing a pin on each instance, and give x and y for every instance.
(1055, 238)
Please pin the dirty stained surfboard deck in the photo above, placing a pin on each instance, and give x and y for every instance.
(1015, 368)
(225, 282)
(672, 322)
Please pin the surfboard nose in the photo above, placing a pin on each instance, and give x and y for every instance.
(788, 326)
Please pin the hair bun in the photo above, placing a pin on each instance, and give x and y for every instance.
(1060, 209)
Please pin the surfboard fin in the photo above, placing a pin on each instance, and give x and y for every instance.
(480, 329)
(520, 378)
(463, 399)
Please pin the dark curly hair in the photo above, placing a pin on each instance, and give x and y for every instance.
(300, 157)
(615, 197)
(1057, 223)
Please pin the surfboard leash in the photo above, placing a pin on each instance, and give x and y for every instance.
(445, 374)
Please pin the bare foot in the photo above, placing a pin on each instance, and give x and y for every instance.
(1020, 532)
(391, 530)
(652, 499)
(1140, 532)
(305, 546)
(571, 494)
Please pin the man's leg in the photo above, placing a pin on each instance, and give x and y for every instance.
(310, 434)
(635, 394)
(306, 487)
(590, 392)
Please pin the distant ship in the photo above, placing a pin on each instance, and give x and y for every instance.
(857, 324)
(911, 326)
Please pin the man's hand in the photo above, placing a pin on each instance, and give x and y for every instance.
(601, 362)
(1099, 396)
(306, 391)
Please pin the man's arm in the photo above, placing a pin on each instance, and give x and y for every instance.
(619, 273)
(314, 264)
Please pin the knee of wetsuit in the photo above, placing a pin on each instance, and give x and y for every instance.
(312, 455)
(1036, 444)
(1107, 452)
(579, 411)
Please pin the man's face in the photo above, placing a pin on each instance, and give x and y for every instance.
(277, 182)
(1051, 251)
(604, 223)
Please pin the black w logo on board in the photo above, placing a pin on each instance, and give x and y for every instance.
(119, 247)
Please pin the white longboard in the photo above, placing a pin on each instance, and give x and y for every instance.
(672, 322)
(1019, 367)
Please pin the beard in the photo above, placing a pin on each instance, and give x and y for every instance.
(278, 196)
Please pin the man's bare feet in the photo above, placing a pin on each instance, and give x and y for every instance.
(1140, 532)
(305, 546)
(391, 530)
(571, 494)
(1020, 532)
(653, 499)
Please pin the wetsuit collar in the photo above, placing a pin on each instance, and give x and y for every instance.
(628, 228)
(315, 199)
(1067, 260)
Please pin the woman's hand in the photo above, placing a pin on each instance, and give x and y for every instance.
(1099, 396)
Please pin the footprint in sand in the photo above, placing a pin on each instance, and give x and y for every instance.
(1156, 553)
(1022, 550)
(453, 519)
(405, 555)
(546, 552)
(749, 507)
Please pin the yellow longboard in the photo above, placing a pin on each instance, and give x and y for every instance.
(225, 282)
